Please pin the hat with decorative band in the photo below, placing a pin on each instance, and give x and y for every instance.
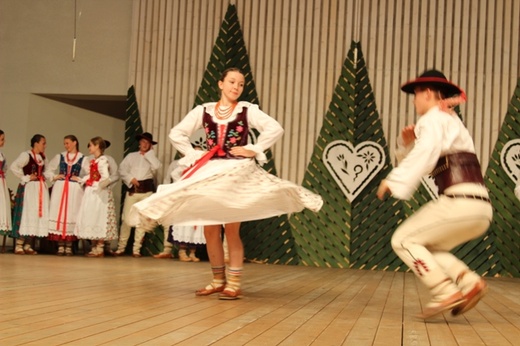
(434, 79)
(148, 136)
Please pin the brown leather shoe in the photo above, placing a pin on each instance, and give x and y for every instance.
(136, 255)
(230, 294)
(163, 255)
(435, 308)
(209, 289)
(471, 298)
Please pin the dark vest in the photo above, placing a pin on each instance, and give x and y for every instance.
(74, 170)
(236, 133)
(32, 167)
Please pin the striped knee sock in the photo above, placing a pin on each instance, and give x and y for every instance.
(233, 278)
(219, 275)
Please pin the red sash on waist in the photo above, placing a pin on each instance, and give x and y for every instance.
(188, 172)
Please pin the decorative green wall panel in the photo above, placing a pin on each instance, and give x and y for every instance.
(505, 229)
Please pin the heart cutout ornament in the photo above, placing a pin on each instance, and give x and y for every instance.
(353, 167)
(510, 159)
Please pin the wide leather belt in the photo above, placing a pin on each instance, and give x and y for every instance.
(456, 169)
(144, 186)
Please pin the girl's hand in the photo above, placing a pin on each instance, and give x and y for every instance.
(240, 151)
(408, 134)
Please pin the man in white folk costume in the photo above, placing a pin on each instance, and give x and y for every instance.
(439, 144)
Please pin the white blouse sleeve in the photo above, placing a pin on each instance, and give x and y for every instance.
(52, 167)
(104, 172)
(406, 177)
(18, 165)
(270, 132)
(113, 170)
(124, 170)
(155, 164)
(181, 133)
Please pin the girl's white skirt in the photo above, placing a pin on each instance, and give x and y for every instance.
(224, 191)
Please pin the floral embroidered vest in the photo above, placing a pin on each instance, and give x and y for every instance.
(234, 133)
(75, 168)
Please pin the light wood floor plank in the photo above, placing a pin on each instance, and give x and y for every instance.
(50, 300)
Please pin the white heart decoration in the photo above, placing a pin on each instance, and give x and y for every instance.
(353, 168)
(510, 159)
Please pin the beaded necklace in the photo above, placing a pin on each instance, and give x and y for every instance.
(69, 161)
(223, 113)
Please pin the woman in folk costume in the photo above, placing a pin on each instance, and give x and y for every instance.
(66, 170)
(439, 144)
(5, 198)
(225, 186)
(31, 208)
(96, 217)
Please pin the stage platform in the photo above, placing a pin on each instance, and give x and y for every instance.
(51, 300)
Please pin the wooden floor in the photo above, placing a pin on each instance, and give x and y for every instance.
(50, 300)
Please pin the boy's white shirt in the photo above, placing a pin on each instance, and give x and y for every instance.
(437, 134)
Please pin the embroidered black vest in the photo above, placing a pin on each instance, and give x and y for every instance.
(235, 133)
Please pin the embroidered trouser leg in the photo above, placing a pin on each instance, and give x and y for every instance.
(138, 238)
(124, 232)
(424, 240)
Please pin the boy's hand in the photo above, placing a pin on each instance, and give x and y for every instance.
(383, 189)
(408, 134)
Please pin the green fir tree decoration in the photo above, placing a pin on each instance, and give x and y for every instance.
(503, 237)
(349, 233)
(267, 240)
(132, 122)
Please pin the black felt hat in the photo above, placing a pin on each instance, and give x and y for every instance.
(435, 79)
(148, 136)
